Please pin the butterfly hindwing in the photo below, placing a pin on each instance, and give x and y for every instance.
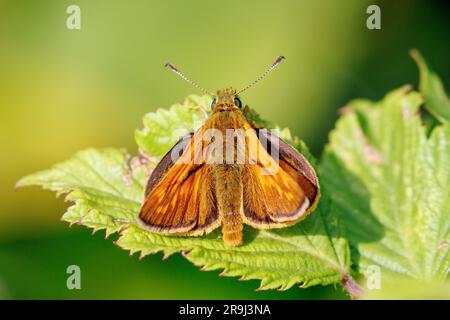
(294, 163)
(277, 193)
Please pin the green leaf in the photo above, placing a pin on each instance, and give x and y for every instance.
(436, 100)
(100, 183)
(163, 128)
(391, 185)
(107, 189)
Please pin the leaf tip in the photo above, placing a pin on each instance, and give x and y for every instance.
(17, 186)
(442, 245)
(419, 59)
(184, 253)
(342, 111)
(415, 54)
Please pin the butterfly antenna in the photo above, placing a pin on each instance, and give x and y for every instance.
(273, 66)
(178, 72)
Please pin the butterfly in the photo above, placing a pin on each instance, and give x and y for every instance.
(226, 174)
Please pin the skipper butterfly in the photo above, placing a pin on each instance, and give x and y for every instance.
(226, 174)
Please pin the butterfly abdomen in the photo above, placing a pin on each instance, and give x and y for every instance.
(228, 185)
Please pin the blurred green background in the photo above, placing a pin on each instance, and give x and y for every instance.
(64, 90)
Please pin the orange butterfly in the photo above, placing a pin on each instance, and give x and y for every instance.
(226, 174)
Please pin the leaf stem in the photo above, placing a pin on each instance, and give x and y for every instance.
(353, 289)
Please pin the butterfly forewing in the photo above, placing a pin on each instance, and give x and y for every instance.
(180, 196)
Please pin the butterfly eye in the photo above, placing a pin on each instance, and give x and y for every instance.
(238, 102)
(213, 102)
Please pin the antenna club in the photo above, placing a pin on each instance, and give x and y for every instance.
(279, 59)
(171, 66)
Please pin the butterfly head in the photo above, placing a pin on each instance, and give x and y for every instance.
(226, 100)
